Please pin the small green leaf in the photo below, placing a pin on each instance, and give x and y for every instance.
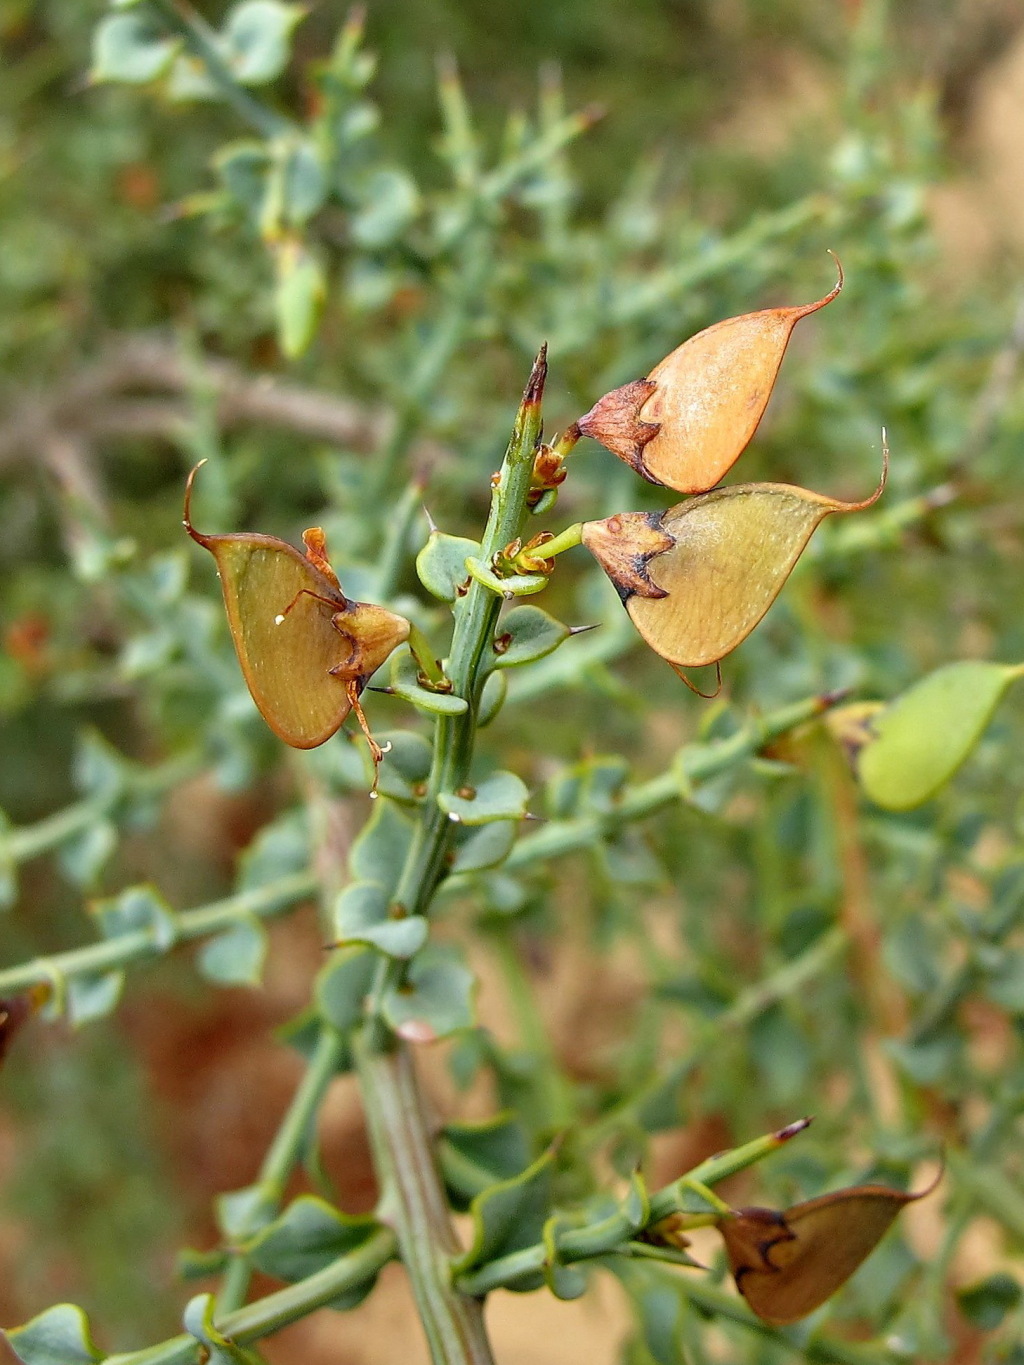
(526, 634)
(84, 857)
(502, 796)
(138, 908)
(243, 1213)
(406, 766)
(1004, 981)
(484, 846)
(307, 1238)
(280, 849)
(8, 865)
(304, 183)
(235, 957)
(593, 787)
(987, 1303)
(189, 79)
(99, 769)
(243, 168)
(390, 202)
(660, 1308)
(131, 47)
(781, 1053)
(515, 585)
(379, 852)
(930, 1060)
(474, 1156)
(92, 995)
(508, 1217)
(441, 564)
(192, 1264)
(299, 295)
(255, 39)
(405, 683)
(924, 736)
(363, 914)
(492, 698)
(564, 1281)
(60, 1336)
(661, 1106)
(436, 1000)
(343, 985)
(197, 1320)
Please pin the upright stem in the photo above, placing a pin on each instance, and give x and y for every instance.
(412, 1195)
(414, 1203)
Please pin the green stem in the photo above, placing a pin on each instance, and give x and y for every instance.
(270, 1314)
(560, 837)
(283, 1153)
(580, 1244)
(412, 1192)
(414, 1203)
(32, 840)
(424, 655)
(565, 540)
(673, 1198)
(117, 952)
(201, 41)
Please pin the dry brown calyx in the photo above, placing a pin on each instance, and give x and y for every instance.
(614, 420)
(624, 545)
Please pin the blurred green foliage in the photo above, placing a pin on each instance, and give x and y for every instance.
(392, 259)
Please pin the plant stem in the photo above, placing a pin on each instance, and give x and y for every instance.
(270, 1314)
(693, 764)
(412, 1195)
(414, 1202)
(32, 840)
(565, 540)
(110, 954)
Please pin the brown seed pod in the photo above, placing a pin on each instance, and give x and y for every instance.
(305, 649)
(697, 578)
(688, 422)
(787, 1264)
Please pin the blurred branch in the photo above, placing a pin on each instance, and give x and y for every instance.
(142, 387)
(107, 954)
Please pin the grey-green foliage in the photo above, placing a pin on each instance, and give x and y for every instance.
(791, 944)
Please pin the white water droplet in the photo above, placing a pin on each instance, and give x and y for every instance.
(374, 795)
(278, 620)
(386, 748)
(454, 818)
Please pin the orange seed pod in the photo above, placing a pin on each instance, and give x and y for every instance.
(688, 422)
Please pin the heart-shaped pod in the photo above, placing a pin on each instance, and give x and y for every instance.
(787, 1264)
(689, 421)
(306, 651)
(697, 578)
